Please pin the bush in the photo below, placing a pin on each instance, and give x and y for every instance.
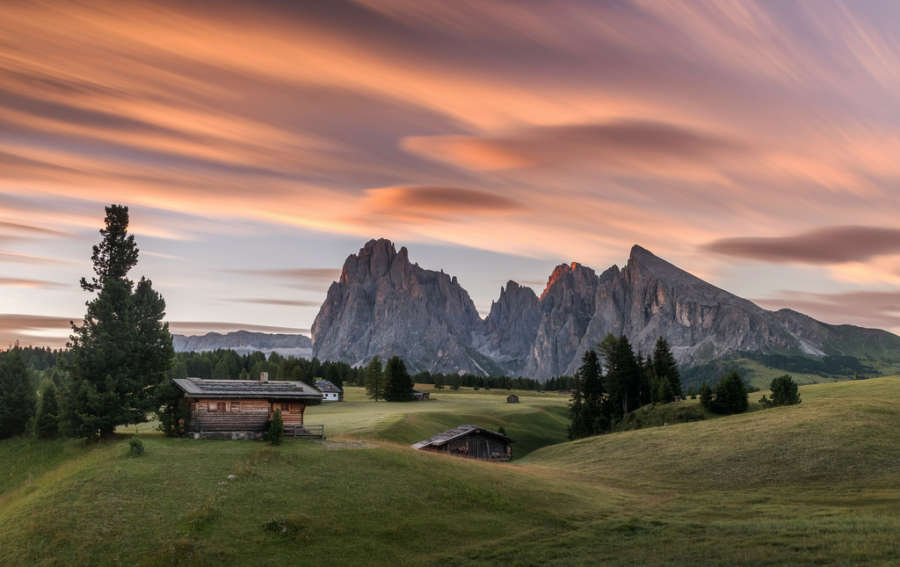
(784, 391)
(135, 447)
(276, 428)
(731, 395)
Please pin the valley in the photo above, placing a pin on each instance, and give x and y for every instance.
(759, 487)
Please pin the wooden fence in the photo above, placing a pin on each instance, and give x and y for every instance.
(305, 431)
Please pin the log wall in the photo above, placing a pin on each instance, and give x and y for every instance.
(242, 415)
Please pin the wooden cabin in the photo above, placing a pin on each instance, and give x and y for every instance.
(469, 441)
(330, 392)
(241, 409)
(512, 399)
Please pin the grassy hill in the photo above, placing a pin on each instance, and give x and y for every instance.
(812, 484)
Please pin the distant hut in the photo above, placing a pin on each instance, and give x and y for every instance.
(419, 395)
(469, 441)
(512, 399)
(330, 392)
(241, 409)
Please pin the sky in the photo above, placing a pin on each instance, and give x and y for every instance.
(754, 144)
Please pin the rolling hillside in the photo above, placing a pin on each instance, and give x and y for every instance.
(817, 483)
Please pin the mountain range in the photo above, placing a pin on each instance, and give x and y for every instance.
(385, 305)
(245, 342)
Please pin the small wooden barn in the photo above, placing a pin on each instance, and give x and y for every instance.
(469, 441)
(241, 409)
(330, 392)
(512, 399)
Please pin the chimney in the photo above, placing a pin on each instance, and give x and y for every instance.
(263, 376)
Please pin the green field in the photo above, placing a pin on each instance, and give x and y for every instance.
(817, 483)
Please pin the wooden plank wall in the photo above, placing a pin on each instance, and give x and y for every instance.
(242, 415)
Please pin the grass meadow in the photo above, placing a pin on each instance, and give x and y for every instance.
(813, 484)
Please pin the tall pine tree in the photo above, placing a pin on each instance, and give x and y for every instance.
(665, 368)
(398, 383)
(122, 349)
(375, 379)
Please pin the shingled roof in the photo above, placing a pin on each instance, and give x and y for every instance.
(327, 386)
(455, 433)
(238, 389)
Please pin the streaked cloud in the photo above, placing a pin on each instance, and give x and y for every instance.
(26, 282)
(310, 279)
(624, 143)
(11, 257)
(867, 308)
(822, 246)
(278, 302)
(555, 132)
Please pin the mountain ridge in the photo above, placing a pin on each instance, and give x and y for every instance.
(383, 305)
(244, 342)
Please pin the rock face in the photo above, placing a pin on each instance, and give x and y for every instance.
(383, 305)
(244, 342)
(511, 326)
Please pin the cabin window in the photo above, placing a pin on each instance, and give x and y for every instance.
(236, 407)
(216, 406)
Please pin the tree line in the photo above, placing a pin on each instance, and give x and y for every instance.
(623, 382)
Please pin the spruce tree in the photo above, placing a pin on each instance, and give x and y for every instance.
(123, 349)
(577, 426)
(731, 395)
(46, 422)
(398, 385)
(623, 377)
(375, 379)
(706, 396)
(665, 367)
(16, 394)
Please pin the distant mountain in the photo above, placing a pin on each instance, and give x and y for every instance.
(384, 305)
(245, 342)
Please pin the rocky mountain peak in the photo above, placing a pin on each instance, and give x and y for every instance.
(566, 275)
(384, 305)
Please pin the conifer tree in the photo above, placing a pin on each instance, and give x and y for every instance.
(623, 376)
(46, 422)
(16, 394)
(398, 383)
(665, 367)
(375, 379)
(731, 395)
(123, 348)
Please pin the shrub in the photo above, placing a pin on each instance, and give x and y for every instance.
(135, 447)
(276, 428)
(784, 391)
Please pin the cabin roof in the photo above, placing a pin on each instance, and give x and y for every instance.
(238, 389)
(456, 433)
(327, 386)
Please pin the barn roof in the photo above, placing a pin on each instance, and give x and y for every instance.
(237, 389)
(327, 386)
(456, 433)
